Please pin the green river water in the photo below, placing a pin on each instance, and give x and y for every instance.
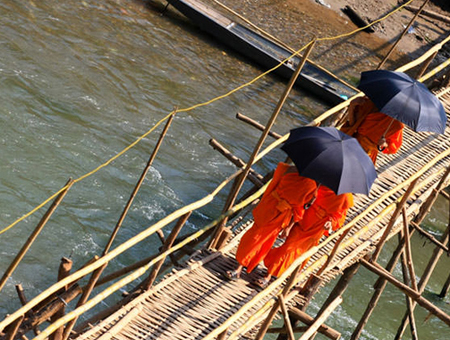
(82, 80)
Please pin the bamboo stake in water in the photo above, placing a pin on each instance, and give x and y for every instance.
(96, 274)
(34, 234)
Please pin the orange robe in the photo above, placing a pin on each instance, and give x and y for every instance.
(283, 201)
(328, 207)
(372, 127)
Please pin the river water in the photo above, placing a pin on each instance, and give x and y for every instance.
(82, 80)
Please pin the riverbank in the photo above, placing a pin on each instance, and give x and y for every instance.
(347, 56)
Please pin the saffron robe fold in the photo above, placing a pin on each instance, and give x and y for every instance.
(307, 233)
(369, 125)
(282, 202)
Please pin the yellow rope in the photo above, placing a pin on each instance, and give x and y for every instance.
(192, 108)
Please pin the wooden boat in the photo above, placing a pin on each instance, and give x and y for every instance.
(262, 50)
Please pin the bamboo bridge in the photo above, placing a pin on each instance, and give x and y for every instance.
(192, 300)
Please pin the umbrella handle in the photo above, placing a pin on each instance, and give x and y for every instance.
(310, 203)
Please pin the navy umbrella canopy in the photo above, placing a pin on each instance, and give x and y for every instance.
(331, 158)
(398, 95)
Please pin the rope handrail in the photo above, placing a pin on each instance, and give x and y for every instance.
(38, 207)
(136, 239)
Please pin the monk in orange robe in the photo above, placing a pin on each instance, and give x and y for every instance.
(374, 130)
(282, 205)
(327, 213)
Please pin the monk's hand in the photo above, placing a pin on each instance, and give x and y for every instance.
(285, 233)
(382, 144)
(328, 226)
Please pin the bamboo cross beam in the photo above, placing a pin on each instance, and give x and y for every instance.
(416, 296)
(301, 316)
(253, 176)
(321, 318)
(257, 125)
(430, 237)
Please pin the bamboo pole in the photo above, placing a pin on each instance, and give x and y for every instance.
(430, 237)
(426, 207)
(381, 282)
(12, 331)
(287, 323)
(308, 320)
(64, 271)
(425, 65)
(34, 234)
(321, 318)
(416, 296)
(402, 35)
(257, 125)
(379, 288)
(96, 275)
(392, 220)
(240, 180)
(437, 253)
(409, 308)
(138, 273)
(409, 278)
(200, 203)
(23, 301)
(167, 245)
(160, 234)
(445, 288)
(408, 252)
(253, 176)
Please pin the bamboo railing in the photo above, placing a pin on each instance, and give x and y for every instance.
(182, 215)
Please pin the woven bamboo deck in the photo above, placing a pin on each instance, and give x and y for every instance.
(193, 301)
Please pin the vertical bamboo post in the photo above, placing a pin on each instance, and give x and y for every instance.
(379, 287)
(24, 301)
(265, 326)
(169, 242)
(394, 216)
(445, 288)
(406, 280)
(340, 287)
(237, 184)
(96, 274)
(64, 270)
(425, 277)
(402, 35)
(287, 323)
(35, 234)
(408, 253)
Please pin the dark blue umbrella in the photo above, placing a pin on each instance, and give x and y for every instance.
(398, 95)
(331, 158)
